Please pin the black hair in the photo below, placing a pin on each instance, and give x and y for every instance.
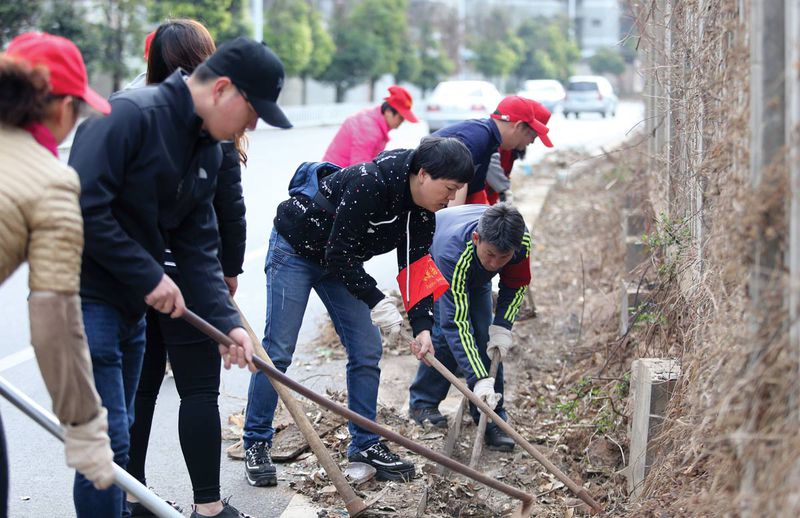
(204, 74)
(386, 106)
(178, 43)
(502, 226)
(444, 158)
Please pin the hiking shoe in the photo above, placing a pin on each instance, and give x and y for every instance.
(432, 415)
(388, 465)
(138, 510)
(228, 511)
(258, 466)
(497, 440)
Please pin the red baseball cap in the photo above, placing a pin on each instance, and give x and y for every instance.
(518, 109)
(147, 41)
(542, 115)
(65, 63)
(400, 100)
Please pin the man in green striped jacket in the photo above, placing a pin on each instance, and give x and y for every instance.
(472, 244)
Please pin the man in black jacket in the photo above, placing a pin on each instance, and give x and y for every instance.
(321, 243)
(148, 175)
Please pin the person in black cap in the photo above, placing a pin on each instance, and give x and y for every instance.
(148, 174)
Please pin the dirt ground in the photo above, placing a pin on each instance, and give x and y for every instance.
(562, 393)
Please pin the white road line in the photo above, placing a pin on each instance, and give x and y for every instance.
(255, 254)
(18, 358)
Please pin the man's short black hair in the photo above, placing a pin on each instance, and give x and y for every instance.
(386, 106)
(444, 158)
(204, 74)
(502, 226)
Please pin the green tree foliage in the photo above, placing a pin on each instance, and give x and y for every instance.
(607, 61)
(547, 51)
(68, 19)
(497, 48)
(241, 24)
(435, 65)
(121, 35)
(16, 16)
(410, 64)
(322, 49)
(287, 31)
(214, 14)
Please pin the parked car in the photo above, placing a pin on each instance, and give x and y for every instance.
(547, 92)
(456, 101)
(590, 94)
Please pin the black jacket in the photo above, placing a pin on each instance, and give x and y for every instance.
(230, 211)
(148, 174)
(373, 209)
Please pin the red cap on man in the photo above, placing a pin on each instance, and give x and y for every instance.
(65, 63)
(400, 100)
(515, 108)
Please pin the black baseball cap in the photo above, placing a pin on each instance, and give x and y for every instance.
(255, 70)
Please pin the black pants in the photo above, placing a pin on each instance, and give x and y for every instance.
(3, 473)
(195, 362)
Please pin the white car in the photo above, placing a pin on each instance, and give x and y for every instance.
(548, 92)
(590, 94)
(456, 101)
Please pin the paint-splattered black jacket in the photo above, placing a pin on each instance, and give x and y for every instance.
(374, 209)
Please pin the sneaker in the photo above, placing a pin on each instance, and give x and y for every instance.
(258, 466)
(138, 510)
(498, 440)
(228, 511)
(388, 465)
(432, 415)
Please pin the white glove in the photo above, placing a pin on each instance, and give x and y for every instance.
(386, 316)
(88, 450)
(484, 389)
(499, 340)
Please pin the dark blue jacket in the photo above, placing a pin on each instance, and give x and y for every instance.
(148, 175)
(455, 255)
(482, 138)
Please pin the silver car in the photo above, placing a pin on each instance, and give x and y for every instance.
(590, 94)
(456, 101)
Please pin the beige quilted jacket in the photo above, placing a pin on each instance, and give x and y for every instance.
(40, 221)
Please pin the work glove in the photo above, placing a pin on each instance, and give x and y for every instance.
(88, 450)
(499, 340)
(387, 318)
(484, 389)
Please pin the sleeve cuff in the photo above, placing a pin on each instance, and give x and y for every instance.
(498, 321)
(421, 324)
(372, 297)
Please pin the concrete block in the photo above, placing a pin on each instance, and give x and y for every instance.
(652, 383)
(636, 253)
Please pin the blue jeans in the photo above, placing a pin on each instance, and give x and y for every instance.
(429, 387)
(117, 349)
(290, 279)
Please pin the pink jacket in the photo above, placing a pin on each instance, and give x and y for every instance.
(362, 136)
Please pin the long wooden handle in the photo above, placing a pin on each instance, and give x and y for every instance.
(578, 490)
(355, 505)
(477, 447)
(363, 422)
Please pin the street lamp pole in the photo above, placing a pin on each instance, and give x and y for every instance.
(257, 10)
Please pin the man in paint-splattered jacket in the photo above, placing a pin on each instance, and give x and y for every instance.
(472, 244)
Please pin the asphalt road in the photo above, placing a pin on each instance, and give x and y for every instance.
(41, 485)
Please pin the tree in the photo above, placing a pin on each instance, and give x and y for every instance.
(547, 52)
(288, 32)
(384, 24)
(607, 61)
(120, 32)
(497, 48)
(353, 59)
(68, 19)
(17, 16)
(322, 49)
(410, 65)
(214, 14)
(435, 65)
(241, 24)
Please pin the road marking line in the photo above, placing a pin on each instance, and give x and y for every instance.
(18, 358)
(255, 254)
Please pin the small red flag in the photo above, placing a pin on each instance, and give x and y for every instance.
(426, 279)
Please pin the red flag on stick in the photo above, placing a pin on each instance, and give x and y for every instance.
(426, 279)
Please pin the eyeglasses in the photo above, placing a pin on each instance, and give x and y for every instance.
(244, 96)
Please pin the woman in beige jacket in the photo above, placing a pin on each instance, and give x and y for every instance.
(42, 86)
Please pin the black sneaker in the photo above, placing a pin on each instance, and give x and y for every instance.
(138, 510)
(258, 466)
(432, 415)
(228, 511)
(388, 465)
(498, 440)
